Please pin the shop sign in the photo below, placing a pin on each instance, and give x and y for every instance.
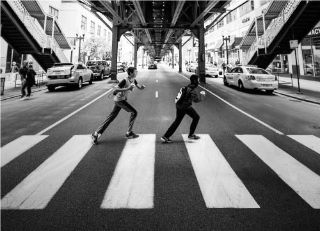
(293, 44)
(315, 32)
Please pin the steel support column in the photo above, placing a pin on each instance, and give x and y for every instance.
(180, 56)
(172, 52)
(201, 53)
(135, 55)
(113, 72)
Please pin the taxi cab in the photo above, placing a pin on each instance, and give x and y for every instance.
(251, 77)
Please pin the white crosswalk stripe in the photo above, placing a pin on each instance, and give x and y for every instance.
(18, 146)
(302, 180)
(132, 184)
(220, 186)
(309, 141)
(37, 189)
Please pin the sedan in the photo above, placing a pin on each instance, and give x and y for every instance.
(251, 77)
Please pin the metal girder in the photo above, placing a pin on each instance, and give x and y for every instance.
(109, 7)
(102, 20)
(205, 12)
(141, 17)
(177, 12)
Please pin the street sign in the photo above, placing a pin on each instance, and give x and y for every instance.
(293, 44)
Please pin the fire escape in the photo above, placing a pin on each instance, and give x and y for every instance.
(270, 33)
(28, 30)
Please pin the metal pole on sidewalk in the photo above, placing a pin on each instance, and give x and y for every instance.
(298, 74)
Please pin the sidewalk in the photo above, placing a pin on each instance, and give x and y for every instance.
(309, 88)
(12, 88)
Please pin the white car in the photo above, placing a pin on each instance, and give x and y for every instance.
(213, 71)
(251, 77)
(68, 74)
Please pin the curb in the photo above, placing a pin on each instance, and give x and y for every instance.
(19, 95)
(294, 97)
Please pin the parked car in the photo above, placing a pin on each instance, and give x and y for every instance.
(100, 68)
(152, 66)
(251, 77)
(68, 74)
(214, 71)
(121, 66)
(193, 67)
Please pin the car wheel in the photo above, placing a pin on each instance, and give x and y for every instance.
(216, 76)
(91, 78)
(51, 88)
(240, 85)
(269, 91)
(225, 81)
(101, 76)
(79, 83)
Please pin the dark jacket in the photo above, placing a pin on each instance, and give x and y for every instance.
(23, 72)
(190, 96)
(31, 77)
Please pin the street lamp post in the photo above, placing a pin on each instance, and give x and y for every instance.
(227, 39)
(79, 38)
(189, 50)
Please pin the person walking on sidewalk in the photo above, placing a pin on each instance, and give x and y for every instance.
(23, 75)
(30, 80)
(120, 102)
(184, 100)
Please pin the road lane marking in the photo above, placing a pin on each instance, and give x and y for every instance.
(302, 180)
(38, 188)
(132, 184)
(156, 94)
(219, 184)
(18, 146)
(243, 112)
(73, 113)
(310, 141)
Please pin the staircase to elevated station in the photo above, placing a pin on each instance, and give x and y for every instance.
(24, 33)
(294, 22)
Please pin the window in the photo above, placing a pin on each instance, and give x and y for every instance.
(83, 23)
(92, 27)
(53, 12)
(99, 30)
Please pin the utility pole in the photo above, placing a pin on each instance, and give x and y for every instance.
(226, 39)
(79, 38)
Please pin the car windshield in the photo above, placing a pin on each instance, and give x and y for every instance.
(91, 63)
(62, 64)
(257, 71)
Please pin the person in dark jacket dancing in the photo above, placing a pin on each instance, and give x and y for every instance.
(184, 106)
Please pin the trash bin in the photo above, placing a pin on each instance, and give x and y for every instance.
(2, 85)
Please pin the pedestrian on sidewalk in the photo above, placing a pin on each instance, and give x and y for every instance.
(120, 102)
(30, 80)
(184, 100)
(23, 75)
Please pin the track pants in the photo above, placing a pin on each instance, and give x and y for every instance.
(116, 109)
(179, 116)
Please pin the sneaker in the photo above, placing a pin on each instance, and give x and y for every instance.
(166, 140)
(94, 137)
(193, 137)
(131, 135)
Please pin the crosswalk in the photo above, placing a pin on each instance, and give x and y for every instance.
(132, 183)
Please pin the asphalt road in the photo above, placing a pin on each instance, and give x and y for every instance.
(260, 178)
